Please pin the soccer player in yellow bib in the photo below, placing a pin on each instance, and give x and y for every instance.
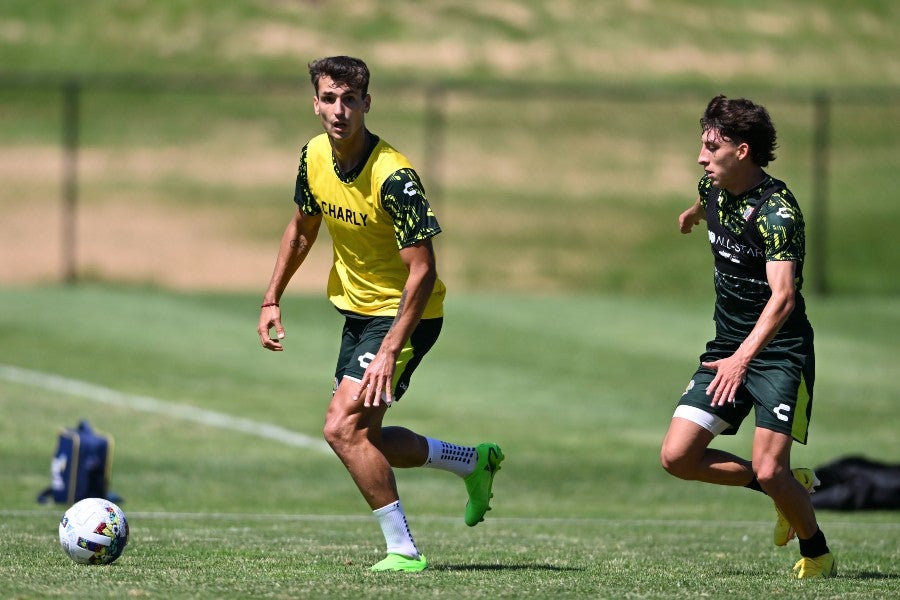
(384, 282)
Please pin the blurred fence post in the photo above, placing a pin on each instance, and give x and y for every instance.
(71, 96)
(821, 149)
(435, 125)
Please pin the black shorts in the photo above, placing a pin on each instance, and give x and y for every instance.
(778, 386)
(361, 338)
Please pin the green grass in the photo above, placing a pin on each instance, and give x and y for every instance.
(254, 556)
(733, 42)
(588, 212)
(569, 139)
(569, 149)
(577, 389)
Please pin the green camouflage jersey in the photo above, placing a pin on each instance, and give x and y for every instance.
(746, 234)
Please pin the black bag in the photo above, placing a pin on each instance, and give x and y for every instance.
(81, 467)
(857, 483)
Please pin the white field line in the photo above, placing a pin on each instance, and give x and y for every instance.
(96, 393)
(585, 521)
(74, 387)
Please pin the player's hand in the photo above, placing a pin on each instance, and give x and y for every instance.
(269, 317)
(376, 382)
(730, 375)
(690, 217)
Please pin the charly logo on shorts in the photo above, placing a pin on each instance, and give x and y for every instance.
(690, 386)
(780, 410)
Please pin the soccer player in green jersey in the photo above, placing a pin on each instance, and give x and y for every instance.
(384, 282)
(762, 357)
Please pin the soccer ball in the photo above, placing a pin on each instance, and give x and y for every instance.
(93, 531)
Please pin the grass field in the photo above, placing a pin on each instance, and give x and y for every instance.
(646, 40)
(577, 390)
(569, 142)
(574, 320)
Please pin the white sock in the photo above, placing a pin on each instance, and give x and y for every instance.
(396, 531)
(450, 457)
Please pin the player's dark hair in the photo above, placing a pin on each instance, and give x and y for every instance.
(344, 70)
(742, 121)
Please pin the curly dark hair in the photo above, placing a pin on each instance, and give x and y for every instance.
(344, 70)
(742, 121)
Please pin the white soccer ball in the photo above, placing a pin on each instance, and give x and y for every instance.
(93, 531)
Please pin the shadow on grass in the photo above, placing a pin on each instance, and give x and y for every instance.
(496, 567)
(866, 575)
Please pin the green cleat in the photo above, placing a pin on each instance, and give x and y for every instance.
(783, 531)
(821, 566)
(399, 562)
(480, 481)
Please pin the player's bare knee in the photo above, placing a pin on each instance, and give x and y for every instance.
(337, 433)
(675, 464)
(770, 474)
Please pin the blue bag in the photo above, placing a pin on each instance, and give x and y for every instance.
(81, 467)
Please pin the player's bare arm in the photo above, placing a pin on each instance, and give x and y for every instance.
(419, 259)
(730, 371)
(690, 217)
(299, 236)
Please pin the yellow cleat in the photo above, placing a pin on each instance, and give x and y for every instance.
(783, 531)
(821, 566)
